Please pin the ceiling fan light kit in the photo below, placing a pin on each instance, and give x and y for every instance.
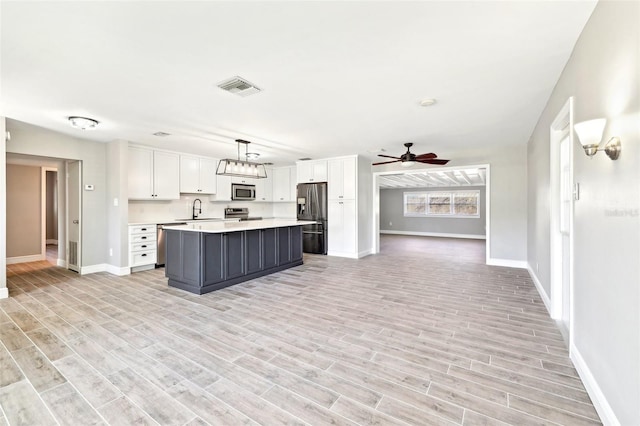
(242, 168)
(427, 102)
(408, 159)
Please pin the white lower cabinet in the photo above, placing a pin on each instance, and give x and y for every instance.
(342, 227)
(142, 246)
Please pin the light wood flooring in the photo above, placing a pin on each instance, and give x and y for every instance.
(403, 337)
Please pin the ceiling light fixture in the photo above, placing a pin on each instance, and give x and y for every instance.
(242, 168)
(427, 102)
(83, 123)
(590, 137)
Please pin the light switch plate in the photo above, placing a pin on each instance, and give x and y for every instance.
(88, 188)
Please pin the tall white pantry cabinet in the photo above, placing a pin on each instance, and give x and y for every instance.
(350, 192)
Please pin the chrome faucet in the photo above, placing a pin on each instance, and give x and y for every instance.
(194, 214)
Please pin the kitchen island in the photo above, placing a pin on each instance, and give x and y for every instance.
(205, 257)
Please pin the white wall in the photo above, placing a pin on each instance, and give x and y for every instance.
(508, 196)
(32, 140)
(602, 75)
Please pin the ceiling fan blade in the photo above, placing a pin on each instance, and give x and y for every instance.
(388, 156)
(433, 161)
(386, 162)
(425, 156)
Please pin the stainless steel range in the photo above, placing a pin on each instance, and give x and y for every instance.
(241, 213)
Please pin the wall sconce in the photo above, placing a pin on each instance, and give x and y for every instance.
(590, 136)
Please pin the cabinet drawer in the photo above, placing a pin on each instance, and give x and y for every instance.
(143, 246)
(143, 258)
(142, 229)
(142, 238)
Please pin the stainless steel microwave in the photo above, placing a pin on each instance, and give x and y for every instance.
(243, 192)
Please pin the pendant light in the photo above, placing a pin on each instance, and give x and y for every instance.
(242, 168)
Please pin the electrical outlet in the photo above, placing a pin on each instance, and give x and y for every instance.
(390, 224)
(115, 202)
(537, 267)
(110, 252)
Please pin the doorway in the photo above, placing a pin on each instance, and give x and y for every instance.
(49, 212)
(561, 219)
(458, 177)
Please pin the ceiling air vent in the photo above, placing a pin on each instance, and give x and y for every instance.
(239, 86)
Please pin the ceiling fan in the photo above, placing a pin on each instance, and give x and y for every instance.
(408, 159)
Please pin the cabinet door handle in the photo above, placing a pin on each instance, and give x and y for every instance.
(143, 238)
(143, 254)
(143, 229)
(144, 246)
(340, 196)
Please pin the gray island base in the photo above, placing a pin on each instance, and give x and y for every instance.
(201, 258)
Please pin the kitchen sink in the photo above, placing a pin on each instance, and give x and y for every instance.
(201, 218)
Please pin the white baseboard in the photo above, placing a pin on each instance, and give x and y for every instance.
(434, 234)
(117, 270)
(92, 269)
(522, 264)
(600, 402)
(51, 242)
(61, 263)
(4, 292)
(364, 253)
(543, 295)
(342, 254)
(104, 267)
(23, 259)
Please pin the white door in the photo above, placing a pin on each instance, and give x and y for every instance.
(566, 202)
(74, 215)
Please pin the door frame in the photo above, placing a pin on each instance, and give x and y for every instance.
(561, 128)
(376, 202)
(68, 216)
(43, 207)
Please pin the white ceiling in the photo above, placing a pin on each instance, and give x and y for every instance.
(338, 78)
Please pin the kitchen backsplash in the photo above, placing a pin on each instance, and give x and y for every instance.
(167, 211)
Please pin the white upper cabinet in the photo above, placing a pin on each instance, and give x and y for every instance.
(311, 171)
(284, 187)
(153, 175)
(223, 192)
(264, 187)
(198, 175)
(342, 179)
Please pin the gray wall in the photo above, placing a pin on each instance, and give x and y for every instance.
(32, 140)
(508, 188)
(3, 211)
(117, 188)
(24, 211)
(602, 76)
(392, 210)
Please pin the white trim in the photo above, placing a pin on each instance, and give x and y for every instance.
(522, 264)
(598, 398)
(4, 293)
(117, 270)
(51, 242)
(434, 234)
(105, 267)
(142, 268)
(342, 254)
(61, 263)
(24, 259)
(364, 253)
(543, 294)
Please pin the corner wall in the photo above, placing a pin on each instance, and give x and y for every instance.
(4, 292)
(603, 77)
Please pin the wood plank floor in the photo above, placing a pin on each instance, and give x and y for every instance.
(421, 335)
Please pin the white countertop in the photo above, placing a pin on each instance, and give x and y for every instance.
(247, 225)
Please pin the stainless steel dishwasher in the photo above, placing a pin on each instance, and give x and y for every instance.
(162, 244)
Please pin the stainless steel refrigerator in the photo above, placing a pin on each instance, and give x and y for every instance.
(312, 205)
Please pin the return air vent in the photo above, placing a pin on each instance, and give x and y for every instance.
(239, 86)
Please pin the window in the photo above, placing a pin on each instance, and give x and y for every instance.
(442, 203)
